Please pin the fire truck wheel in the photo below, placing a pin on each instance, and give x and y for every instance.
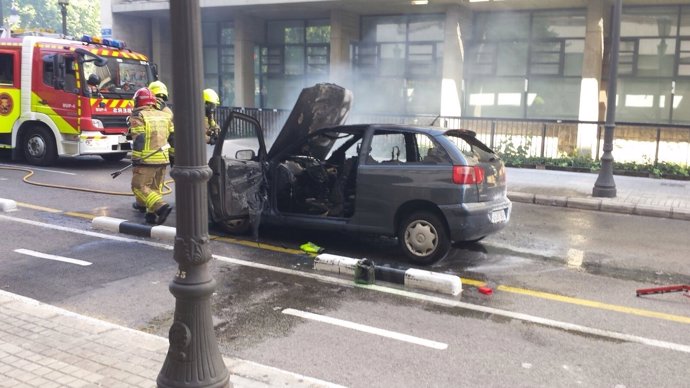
(116, 157)
(39, 146)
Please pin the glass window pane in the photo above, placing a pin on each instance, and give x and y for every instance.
(574, 55)
(553, 98)
(685, 21)
(227, 34)
(319, 34)
(280, 32)
(495, 97)
(482, 58)
(421, 60)
(380, 95)
(294, 60)
(681, 102)
(392, 59)
(512, 58)
(428, 28)
(227, 91)
(423, 96)
(388, 147)
(210, 60)
(209, 32)
(558, 24)
(384, 29)
(656, 57)
(227, 59)
(282, 92)
(644, 100)
(317, 59)
(649, 21)
(495, 26)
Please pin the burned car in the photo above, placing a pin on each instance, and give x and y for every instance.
(426, 186)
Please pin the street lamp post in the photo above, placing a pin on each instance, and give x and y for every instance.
(63, 9)
(605, 186)
(193, 359)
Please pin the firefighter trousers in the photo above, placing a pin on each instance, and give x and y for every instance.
(147, 186)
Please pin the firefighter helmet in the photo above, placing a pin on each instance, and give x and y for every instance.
(143, 97)
(211, 97)
(159, 89)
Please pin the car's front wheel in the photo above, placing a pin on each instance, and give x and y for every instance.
(235, 226)
(423, 237)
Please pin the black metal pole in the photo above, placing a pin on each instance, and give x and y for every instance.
(63, 10)
(193, 358)
(605, 186)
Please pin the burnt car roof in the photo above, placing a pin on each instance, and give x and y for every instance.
(432, 131)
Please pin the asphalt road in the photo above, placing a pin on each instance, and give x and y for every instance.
(563, 311)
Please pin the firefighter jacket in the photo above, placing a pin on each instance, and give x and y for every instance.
(150, 129)
(162, 106)
(211, 129)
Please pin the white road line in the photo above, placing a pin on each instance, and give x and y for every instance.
(394, 291)
(38, 169)
(367, 329)
(52, 257)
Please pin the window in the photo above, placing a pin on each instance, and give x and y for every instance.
(6, 68)
(387, 148)
(399, 60)
(429, 152)
(219, 60)
(48, 71)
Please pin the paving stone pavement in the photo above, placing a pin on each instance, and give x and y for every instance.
(46, 346)
(650, 197)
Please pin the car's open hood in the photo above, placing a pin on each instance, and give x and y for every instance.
(320, 106)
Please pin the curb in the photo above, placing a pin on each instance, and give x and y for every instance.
(604, 205)
(7, 205)
(118, 225)
(410, 278)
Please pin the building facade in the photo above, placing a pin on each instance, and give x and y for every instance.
(512, 59)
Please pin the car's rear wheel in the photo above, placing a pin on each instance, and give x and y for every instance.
(423, 237)
(235, 226)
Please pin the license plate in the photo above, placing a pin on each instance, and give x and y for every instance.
(497, 216)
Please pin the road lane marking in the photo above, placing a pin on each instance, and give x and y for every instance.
(367, 329)
(393, 291)
(595, 304)
(52, 257)
(41, 208)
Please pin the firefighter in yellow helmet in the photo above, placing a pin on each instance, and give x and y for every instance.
(149, 129)
(211, 102)
(159, 90)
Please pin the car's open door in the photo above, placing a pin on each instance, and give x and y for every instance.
(236, 189)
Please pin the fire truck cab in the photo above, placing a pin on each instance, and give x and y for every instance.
(61, 97)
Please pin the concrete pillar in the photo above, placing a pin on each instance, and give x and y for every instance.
(591, 78)
(458, 21)
(344, 31)
(248, 33)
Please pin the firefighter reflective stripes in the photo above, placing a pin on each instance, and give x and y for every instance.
(150, 129)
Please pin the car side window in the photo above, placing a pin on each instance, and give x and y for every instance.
(387, 148)
(6, 69)
(430, 152)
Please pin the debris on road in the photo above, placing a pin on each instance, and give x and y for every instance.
(662, 290)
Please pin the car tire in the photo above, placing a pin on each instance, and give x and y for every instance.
(115, 157)
(39, 146)
(423, 237)
(236, 226)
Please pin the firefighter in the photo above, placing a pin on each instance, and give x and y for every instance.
(211, 102)
(149, 129)
(159, 90)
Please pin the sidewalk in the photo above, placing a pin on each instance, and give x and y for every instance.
(640, 196)
(45, 346)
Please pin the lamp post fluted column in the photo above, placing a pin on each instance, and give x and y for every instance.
(605, 185)
(193, 359)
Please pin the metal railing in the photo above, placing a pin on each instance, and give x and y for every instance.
(633, 142)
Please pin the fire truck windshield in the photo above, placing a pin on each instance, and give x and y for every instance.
(119, 78)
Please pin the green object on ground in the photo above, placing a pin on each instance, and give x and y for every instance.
(310, 247)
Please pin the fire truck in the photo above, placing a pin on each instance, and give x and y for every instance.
(63, 97)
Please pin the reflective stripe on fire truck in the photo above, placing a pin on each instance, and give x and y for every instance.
(62, 125)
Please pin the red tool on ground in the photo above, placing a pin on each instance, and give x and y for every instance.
(663, 290)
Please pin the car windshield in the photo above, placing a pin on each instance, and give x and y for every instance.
(119, 78)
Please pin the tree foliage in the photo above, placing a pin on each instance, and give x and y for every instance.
(83, 16)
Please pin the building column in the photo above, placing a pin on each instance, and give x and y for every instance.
(590, 89)
(458, 21)
(344, 31)
(248, 32)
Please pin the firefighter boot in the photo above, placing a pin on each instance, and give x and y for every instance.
(150, 218)
(138, 207)
(162, 213)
